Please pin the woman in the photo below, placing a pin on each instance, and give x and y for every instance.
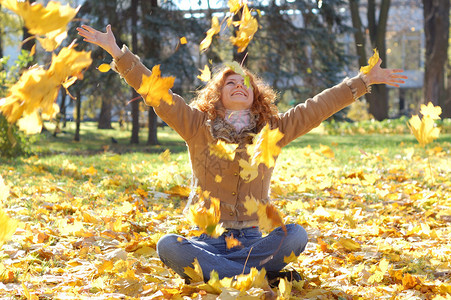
(228, 110)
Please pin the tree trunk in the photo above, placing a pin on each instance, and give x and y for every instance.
(378, 99)
(135, 103)
(151, 43)
(436, 29)
(62, 115)
(77, 116)
(27, 41)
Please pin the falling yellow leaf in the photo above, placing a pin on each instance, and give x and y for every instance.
(232, 242)
(50, 21)
(431, 111)
(251, 205)
(183, 40)
(248, 171)
(424, 129)
(207, 219)
(215, 29)
(205, 74)
(155, 88)
(37, 89)
(218, 178)
(248, 26)
(223, 150)
(104, 68)
(234, 5)
(264, 146)
(371, 62)
(195, 273)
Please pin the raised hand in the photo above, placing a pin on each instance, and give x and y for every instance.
(106, 40)
(378, 75)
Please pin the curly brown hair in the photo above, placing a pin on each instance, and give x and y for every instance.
(208, 99)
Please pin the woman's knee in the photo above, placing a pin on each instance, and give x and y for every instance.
(297, 236)
(167, 244)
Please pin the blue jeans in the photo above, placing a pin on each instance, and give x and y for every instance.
(267, 252)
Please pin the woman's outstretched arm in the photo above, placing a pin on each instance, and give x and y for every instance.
(106, 41)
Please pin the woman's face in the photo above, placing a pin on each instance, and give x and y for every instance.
(235, 95)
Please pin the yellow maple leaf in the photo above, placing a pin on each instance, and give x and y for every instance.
(264, 146)
(268, 215)
(37, 89)
(7, 227)
(378, 275)
(215, 29)
(371, 62)
(423, 129)
(251, 205)
(349, 244)
(183, 40)
(234, 5)
(50, 21)
(232, 242)
(155, 88)
(248, 26)
(206, 219)
(205, 74)
(248, 171)
(223, 150)
(326, 151)
(431, 111)
(291, 258)
(285, 287)
(195, 273)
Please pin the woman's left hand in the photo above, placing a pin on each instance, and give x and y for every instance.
(378, 75)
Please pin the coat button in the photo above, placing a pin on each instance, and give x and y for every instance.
(233, 193)
(231, 213)
(236, 173)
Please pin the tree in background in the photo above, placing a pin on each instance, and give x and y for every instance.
(375, 31)
(297, 49)
(436, 30)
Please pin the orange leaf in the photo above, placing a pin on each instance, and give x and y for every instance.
(155, 88)
(232, 242)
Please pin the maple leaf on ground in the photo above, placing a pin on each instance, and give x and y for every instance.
(264, 146)
(371, 62)
(195, 273)
(215, 29)
(155, 88)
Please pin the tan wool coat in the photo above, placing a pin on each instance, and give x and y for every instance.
(199, 132)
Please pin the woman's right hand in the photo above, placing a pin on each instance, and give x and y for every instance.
(106, 40)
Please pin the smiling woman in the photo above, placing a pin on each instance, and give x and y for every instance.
(235, 111)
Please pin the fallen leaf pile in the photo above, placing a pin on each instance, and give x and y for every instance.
(378, 230)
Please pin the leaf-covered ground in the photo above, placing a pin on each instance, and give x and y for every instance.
(378, 223)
